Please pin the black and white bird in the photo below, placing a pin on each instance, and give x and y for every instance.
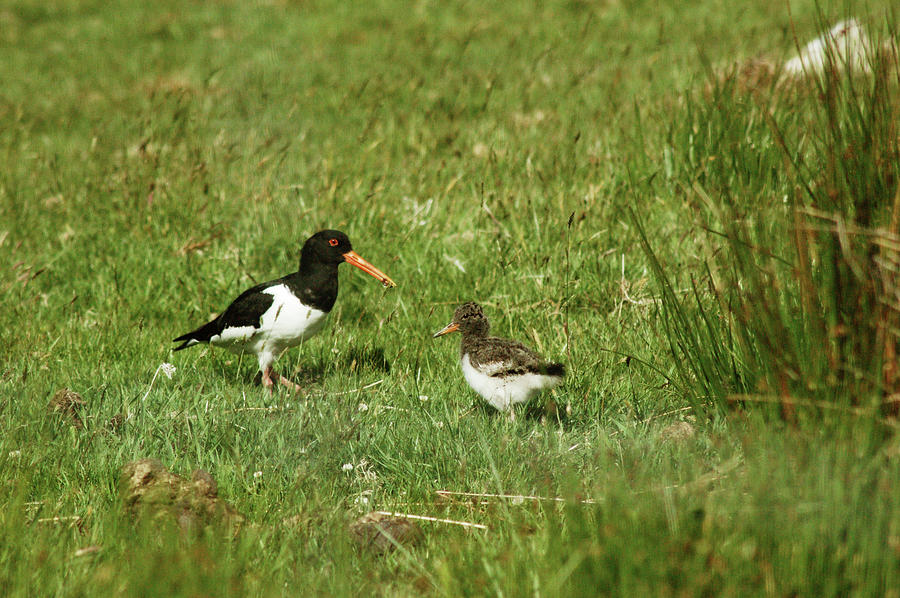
(504, 372)
(271, 317)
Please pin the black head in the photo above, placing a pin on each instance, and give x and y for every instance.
(327, 247)
(469, 319)
(330, 248)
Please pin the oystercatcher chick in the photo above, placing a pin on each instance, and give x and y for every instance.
(504, 372)
(267, 319)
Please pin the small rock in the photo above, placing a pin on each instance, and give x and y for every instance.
(66, 404)
(149, 491)
(677, 432)
(376, 531)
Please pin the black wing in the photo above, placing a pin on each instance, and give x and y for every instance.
(246, 310)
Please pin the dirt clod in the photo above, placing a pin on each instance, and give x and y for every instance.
(116, 423)
(381, 533)
(150, 492)
(66, 404)
(677, 432)
(204, 483)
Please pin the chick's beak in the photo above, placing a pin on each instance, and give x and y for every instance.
(452, 327)
(351, 257)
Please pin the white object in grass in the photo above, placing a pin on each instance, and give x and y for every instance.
(845, 46)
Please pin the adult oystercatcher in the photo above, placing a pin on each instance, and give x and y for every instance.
(504, 372)
(269, 318)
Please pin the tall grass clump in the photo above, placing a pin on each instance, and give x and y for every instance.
(792, 196)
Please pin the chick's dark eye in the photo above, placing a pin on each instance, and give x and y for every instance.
(333, 242)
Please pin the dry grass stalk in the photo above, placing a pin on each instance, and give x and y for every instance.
(515, 498)
(87, 550)
(74, 519)
(433, 519)
(361, 388)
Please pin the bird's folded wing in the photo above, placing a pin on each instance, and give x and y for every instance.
(506, 357)
(248, 307)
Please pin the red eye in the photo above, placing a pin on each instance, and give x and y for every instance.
(333, 242)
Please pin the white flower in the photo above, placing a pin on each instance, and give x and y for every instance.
(455, 261)
(15, 454)
(419, 211)
(363, 407)
(347, 466)
(257, 474)
(423, 398)
(168, 369)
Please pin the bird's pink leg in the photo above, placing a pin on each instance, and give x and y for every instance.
(292, 385)
(267, 379)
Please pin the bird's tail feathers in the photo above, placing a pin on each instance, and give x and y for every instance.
(201, 335)
(190, 342)
(555, 369)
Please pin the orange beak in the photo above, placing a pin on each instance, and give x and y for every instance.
(351, 257)
(452, 327)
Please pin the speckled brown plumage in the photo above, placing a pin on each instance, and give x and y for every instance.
(485, 350)
(502, 371)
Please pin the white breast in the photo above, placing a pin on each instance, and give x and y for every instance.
(503, 392)
(286, 323)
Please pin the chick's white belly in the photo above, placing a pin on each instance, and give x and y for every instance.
(504, 391)
(287, 323)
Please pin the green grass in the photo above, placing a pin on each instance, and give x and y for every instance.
(158, 158)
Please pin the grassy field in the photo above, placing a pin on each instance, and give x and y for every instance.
(562, 163)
